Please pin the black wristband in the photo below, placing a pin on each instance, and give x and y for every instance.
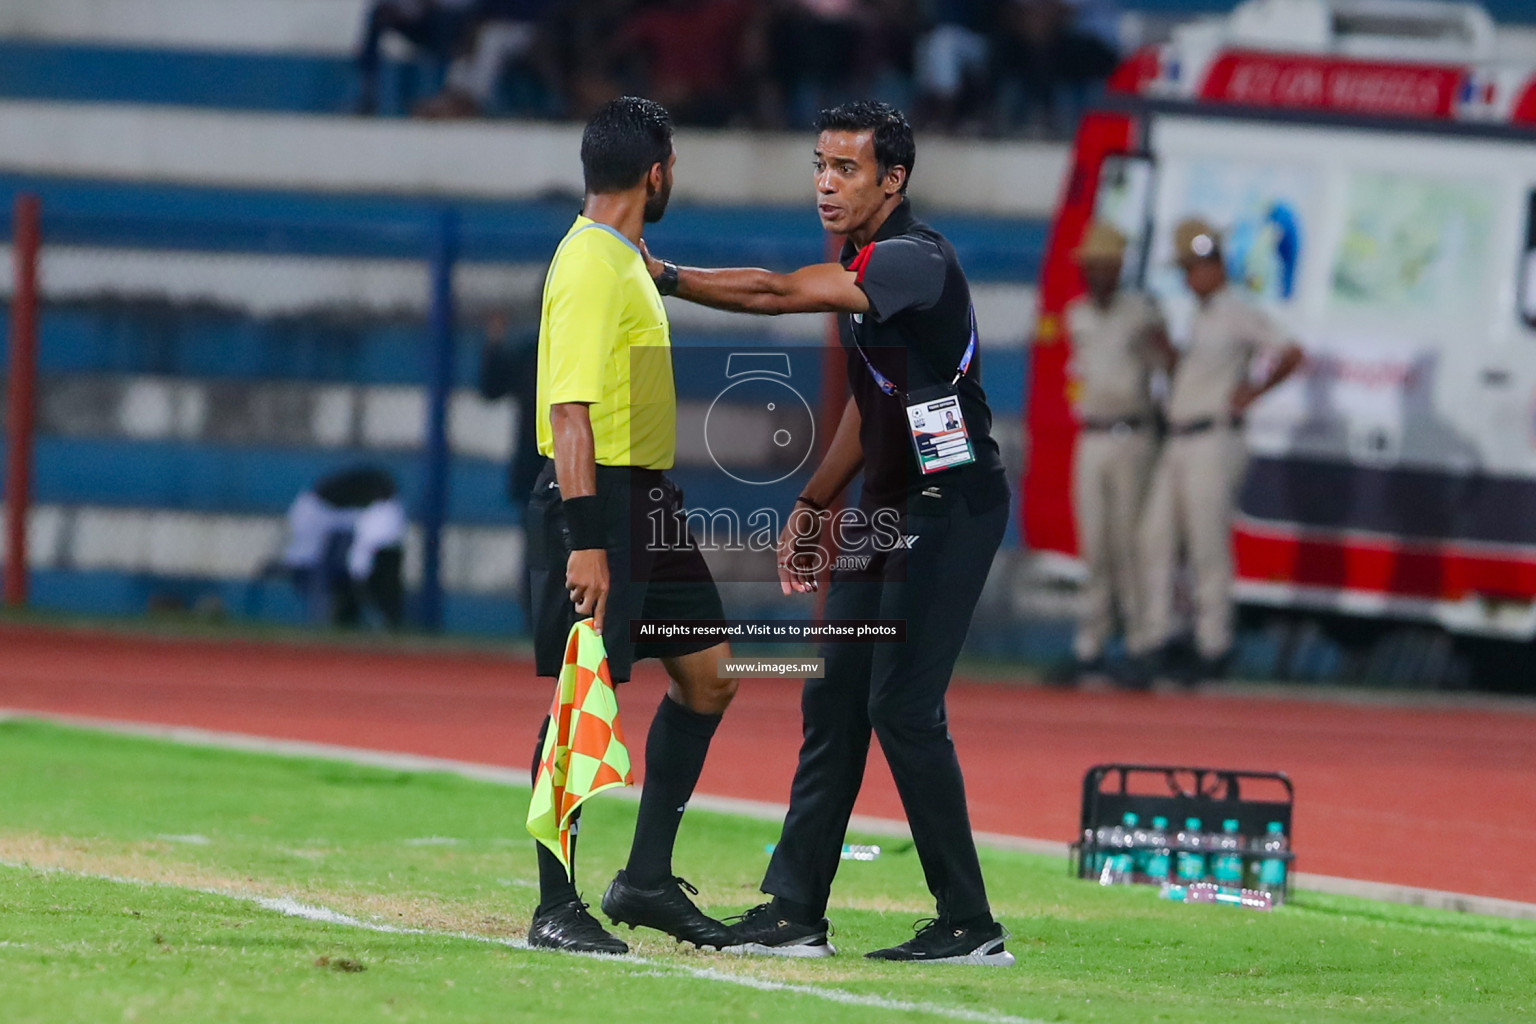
(803, 500)
(666, 283)
(584, 518)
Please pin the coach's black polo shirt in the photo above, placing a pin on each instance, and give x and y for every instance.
(915, 334)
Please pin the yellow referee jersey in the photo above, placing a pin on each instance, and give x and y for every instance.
(604, 341)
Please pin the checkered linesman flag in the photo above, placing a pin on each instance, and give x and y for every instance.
(584, 751)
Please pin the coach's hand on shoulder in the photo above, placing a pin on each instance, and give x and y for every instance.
(652, 264)
(586, 579)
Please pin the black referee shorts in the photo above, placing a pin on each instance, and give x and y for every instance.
(655, 568)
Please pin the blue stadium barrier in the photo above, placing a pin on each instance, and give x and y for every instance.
(214, 478)
(274, 601)
(292, 83)
(215, 345)
(122, 593)
(207, 219)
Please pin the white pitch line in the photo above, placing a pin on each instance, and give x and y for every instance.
(1435, 899)
(290, 907)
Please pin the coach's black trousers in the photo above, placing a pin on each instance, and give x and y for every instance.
(932, 581)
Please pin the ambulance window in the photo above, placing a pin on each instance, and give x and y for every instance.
(1527, 283)
(1124, 199)
(1414, 247)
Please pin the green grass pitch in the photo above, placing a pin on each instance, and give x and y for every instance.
(146, 881)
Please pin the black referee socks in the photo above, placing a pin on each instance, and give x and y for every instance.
(674, 757)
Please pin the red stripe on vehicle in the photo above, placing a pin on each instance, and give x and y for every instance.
(1524, 111)
(1434, 573)
(1304, 81)
(1046, 511)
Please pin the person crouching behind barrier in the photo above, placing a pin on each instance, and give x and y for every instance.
(345, 547)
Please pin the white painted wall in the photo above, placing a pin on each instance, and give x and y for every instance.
(307, 26)
(491, 159)
(483, 560)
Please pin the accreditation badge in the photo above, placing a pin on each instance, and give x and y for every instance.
(938, 430)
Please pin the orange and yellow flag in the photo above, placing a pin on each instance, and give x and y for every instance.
(584, 750)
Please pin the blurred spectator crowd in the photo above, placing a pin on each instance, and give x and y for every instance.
(980, 67)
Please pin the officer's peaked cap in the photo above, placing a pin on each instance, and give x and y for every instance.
(1102, 242)
(1195, 239)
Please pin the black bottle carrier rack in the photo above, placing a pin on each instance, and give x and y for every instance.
(1176, 792)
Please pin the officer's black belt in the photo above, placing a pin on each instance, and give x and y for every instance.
(1205, 425)
(1122, 425)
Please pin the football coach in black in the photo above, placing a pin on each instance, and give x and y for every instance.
(919, 427)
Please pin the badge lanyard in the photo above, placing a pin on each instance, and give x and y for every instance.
(889, 387)
(936, 424)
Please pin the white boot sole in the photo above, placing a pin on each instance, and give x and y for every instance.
(1002, 958)
(990, 955)
(798, 950)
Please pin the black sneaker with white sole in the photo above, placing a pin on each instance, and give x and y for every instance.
(666, 908)
(939, 942)
(568, 926)
(764, 931)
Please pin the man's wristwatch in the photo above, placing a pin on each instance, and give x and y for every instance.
(666, 283)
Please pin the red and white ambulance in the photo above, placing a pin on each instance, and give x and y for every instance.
(1372, 165)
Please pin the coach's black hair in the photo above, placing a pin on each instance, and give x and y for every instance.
(623, 141)
(892, 134)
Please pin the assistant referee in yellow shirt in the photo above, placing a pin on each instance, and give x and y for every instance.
(607, 421)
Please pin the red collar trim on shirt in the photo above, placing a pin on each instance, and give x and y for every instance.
(861, 261)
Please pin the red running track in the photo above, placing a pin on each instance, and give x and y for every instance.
(1447, 795)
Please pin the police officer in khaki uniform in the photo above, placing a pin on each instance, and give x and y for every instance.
(1194, 489)
(1118, 341)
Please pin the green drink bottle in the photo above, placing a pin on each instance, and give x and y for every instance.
(1227, 863)
(1190, 859)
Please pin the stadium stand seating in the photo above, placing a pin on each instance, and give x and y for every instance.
(307, 81)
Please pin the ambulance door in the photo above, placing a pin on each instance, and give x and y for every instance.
(1526, 279)
(1506, 385)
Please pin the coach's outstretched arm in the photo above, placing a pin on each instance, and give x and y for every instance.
(819, 288)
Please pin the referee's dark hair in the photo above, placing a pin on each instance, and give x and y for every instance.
(892, 134)
(622, 142)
